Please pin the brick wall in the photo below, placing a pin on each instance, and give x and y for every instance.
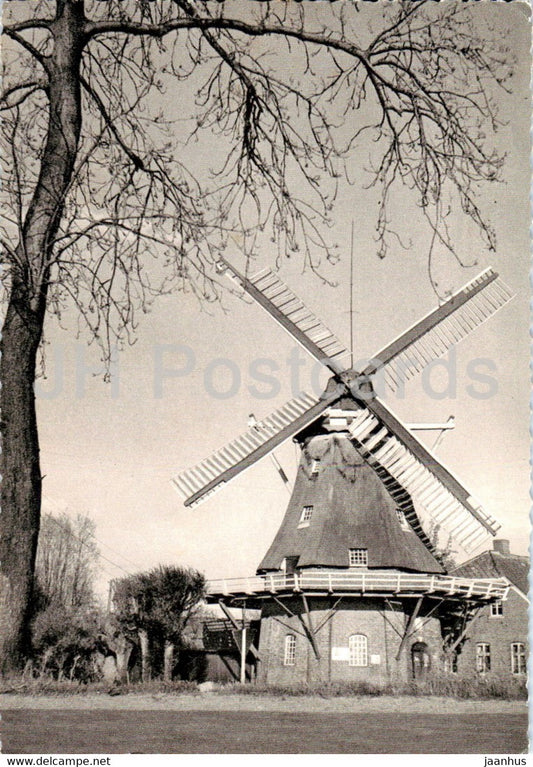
(499, 632)
(382, 624)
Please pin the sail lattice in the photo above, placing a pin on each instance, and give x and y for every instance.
(441, 329)
(197, 483)
(461, 516)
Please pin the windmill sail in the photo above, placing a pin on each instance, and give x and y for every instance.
(202, 480)
(386, 443)
(406, 467)
(292, 314)
(438, 331)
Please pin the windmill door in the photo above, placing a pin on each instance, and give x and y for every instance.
(420, 660)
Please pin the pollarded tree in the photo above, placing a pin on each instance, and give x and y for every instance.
(157, 605)
(109, 204)
(132, 606)
(177, 592)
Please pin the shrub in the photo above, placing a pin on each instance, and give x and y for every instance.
(443, 685)
(65, 643)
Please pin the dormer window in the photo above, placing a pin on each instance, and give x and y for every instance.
(314, 469)
(288, 565)
(305, 518)
(358, 557)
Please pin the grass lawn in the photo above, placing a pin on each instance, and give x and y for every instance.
(191, 731)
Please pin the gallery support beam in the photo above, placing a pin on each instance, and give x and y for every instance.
(409, 626)
(467, 625)
(253, 649)
(309, 627)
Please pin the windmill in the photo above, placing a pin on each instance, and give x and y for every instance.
(352, 530)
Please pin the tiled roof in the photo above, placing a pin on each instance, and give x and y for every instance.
(492, 564)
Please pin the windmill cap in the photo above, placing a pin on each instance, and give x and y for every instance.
(501, 545)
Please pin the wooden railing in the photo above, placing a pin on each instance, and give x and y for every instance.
(361, 581)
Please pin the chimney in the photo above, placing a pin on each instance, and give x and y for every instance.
(501, 545)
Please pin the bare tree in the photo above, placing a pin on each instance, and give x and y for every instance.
(66, 558)
(108, 206)
(65, 621)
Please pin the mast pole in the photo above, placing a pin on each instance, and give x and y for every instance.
(351, 297)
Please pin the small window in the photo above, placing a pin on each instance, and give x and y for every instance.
(483, 657)
(314, 469)
(358, 648)
(289, 656)
(307, 513)
(496, 609)
(358, 557)
(518, 658)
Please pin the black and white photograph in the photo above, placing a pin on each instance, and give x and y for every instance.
(265, 347)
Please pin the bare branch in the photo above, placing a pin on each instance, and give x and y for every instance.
(28, 87)
(29, 24)
(136, 160)
(40, 57)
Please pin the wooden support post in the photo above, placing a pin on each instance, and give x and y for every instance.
(329, 616)
(391, 624)
(291, 628)
(308, 613)
(430, 613)
(467, 625)
(253, 649)
(409, 626)
(309, 627)
(284, 607)
(243, 645)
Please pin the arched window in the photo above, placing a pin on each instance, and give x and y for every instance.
(358, 647)
(289, 655)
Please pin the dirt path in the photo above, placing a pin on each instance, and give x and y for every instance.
(216, 702)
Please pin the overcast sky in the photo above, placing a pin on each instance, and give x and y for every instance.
(113, 456)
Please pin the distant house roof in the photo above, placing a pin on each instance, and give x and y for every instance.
(339, 503)
(493, 564)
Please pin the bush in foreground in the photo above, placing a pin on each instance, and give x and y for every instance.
(48, 685)
(442, 686)
(449, 687)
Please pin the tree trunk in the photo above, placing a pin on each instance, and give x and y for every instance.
(21, 480)
(168, 657)
(146, 665)
(21, 335)
(122, 648)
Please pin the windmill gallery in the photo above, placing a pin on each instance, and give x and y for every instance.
(353, 587)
